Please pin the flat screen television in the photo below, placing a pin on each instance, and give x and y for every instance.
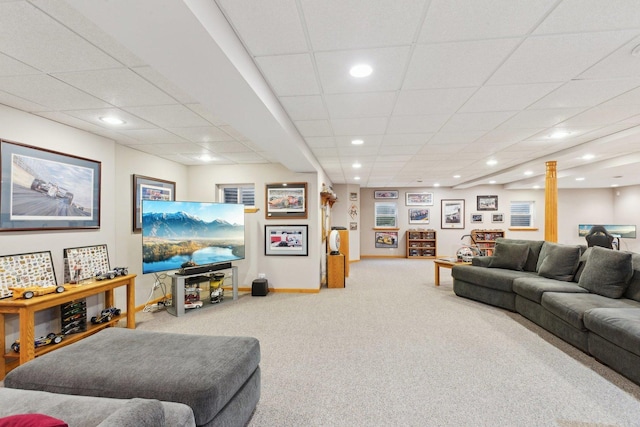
(177, 232)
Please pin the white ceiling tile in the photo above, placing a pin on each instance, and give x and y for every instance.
(248, 157)
(431, 101)
(388, 65)
(158, 80)
(49, 92)
(540, 118)
(459, 64)
(353, 105)
(313, 127)
(225, 147)
(631, 97)
(507, 97)
(233, 132)
(557, 58)
(308, 107)
(157, 137)
(321, 142)
(391, 150)
(356, 24)
(476, 121)
(11, 67)
(357, 152)
(325, 152)
(20, 103)
(202, 134)
(585, 93)
(505, 136)
(119, 86)
(266, 28)
(29, 35)
(455, 137)
(621, 63)
(417, 124)
(591, 15)
(289, 74)
(481, 19)
(602, 115)
(203, 112)
(169, 115)
(406, 139)
(363, 126)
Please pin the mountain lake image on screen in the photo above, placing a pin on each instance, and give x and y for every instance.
(202, 232)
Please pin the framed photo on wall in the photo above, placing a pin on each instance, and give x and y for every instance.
(419, 216)
(385, 194)
(476, 218)
(452, 213)
(286, 200)
(419, 199)
(287, 240)
(47, 190)
(487, 203)
(497, 217)
(146, 188)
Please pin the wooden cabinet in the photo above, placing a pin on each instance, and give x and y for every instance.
(335, 271)
(344, 249)
(421, 243)
(486, 239)
(27, 308)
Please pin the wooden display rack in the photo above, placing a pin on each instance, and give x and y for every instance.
(421, 244)
(486, 239)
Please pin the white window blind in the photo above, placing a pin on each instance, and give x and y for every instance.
(522, 214)
(239, 194)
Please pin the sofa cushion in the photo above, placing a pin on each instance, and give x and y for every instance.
(137, 413)
(493, 278)
(607, 272)
(534, 251)
(532, 288)
(558, 261)
(511, 256)
(571, 307)
(633, 291)
(620, 326)
(31, 420)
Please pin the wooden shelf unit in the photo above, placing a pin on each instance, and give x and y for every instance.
(27, 308)
(421, 244)
(486, 239)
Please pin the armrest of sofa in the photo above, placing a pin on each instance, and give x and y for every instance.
(481, 261)
(137, 412)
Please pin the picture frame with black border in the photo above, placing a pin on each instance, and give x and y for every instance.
(43, 189)
(452, 213)
(418, 199)
(286, 240)
(497, 217)
(385, 194)
(477, 218)
(487, 203)
(419, 216)
(286, 200)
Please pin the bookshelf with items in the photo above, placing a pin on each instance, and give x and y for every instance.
(421, 243)
(486, 239)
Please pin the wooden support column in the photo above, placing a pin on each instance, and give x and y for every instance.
(551, 203)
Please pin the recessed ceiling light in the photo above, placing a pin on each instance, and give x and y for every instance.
(559, 134)
(357, 142)
(536, 187)
(456, 176)
(356, 165)
(614, 185)
(492, 182)
(587, 157)
(112, 120)
(580, 178)
(357, 178)
(361, 70)
(492, 162)
(437, 184)
(528, 173)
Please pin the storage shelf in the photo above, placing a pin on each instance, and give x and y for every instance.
(421, 244)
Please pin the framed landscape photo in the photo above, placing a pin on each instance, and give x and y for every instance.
(419, 216)
(386, 239)
(497, 217)
(476, 218)
(385, 194)
(452, 213)
(419, 199)
(286, 200)
(47, 190)
(146, 188)
(287, 240)
(487, 203)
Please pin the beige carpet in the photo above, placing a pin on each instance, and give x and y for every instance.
(393, 350)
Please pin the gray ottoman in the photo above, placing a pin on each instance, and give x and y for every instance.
(218, 377)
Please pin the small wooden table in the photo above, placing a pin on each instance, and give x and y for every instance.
(445, 263)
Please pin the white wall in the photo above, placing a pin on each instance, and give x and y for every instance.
(627, 211)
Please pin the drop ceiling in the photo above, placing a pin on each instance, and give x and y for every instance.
(455, 84)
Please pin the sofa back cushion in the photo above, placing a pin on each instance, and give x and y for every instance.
(558, 262)
(534, 251)
(607, 272)
(633, 291)
(511, 256)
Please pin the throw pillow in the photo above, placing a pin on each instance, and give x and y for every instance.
(607, 272)
(31, 420)
(511, 256)
(560, 262)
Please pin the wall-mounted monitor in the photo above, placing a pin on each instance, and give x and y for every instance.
(177, 232)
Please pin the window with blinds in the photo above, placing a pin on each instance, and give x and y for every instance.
(386, 215)
(522, 214)
(238, 194)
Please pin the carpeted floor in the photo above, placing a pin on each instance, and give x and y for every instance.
(393, 350)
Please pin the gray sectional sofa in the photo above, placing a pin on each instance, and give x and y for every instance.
(121, 376)
(589, 297)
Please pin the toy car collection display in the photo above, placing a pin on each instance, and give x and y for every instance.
(106, 315)
(39, 342)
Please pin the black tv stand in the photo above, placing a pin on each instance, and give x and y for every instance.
(200, 269)
(179, 281)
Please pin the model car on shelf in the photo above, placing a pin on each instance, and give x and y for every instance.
(105, 315)
(39, 342)
(121, 271)
(35, 291)
(193, 304)
(107, 275)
